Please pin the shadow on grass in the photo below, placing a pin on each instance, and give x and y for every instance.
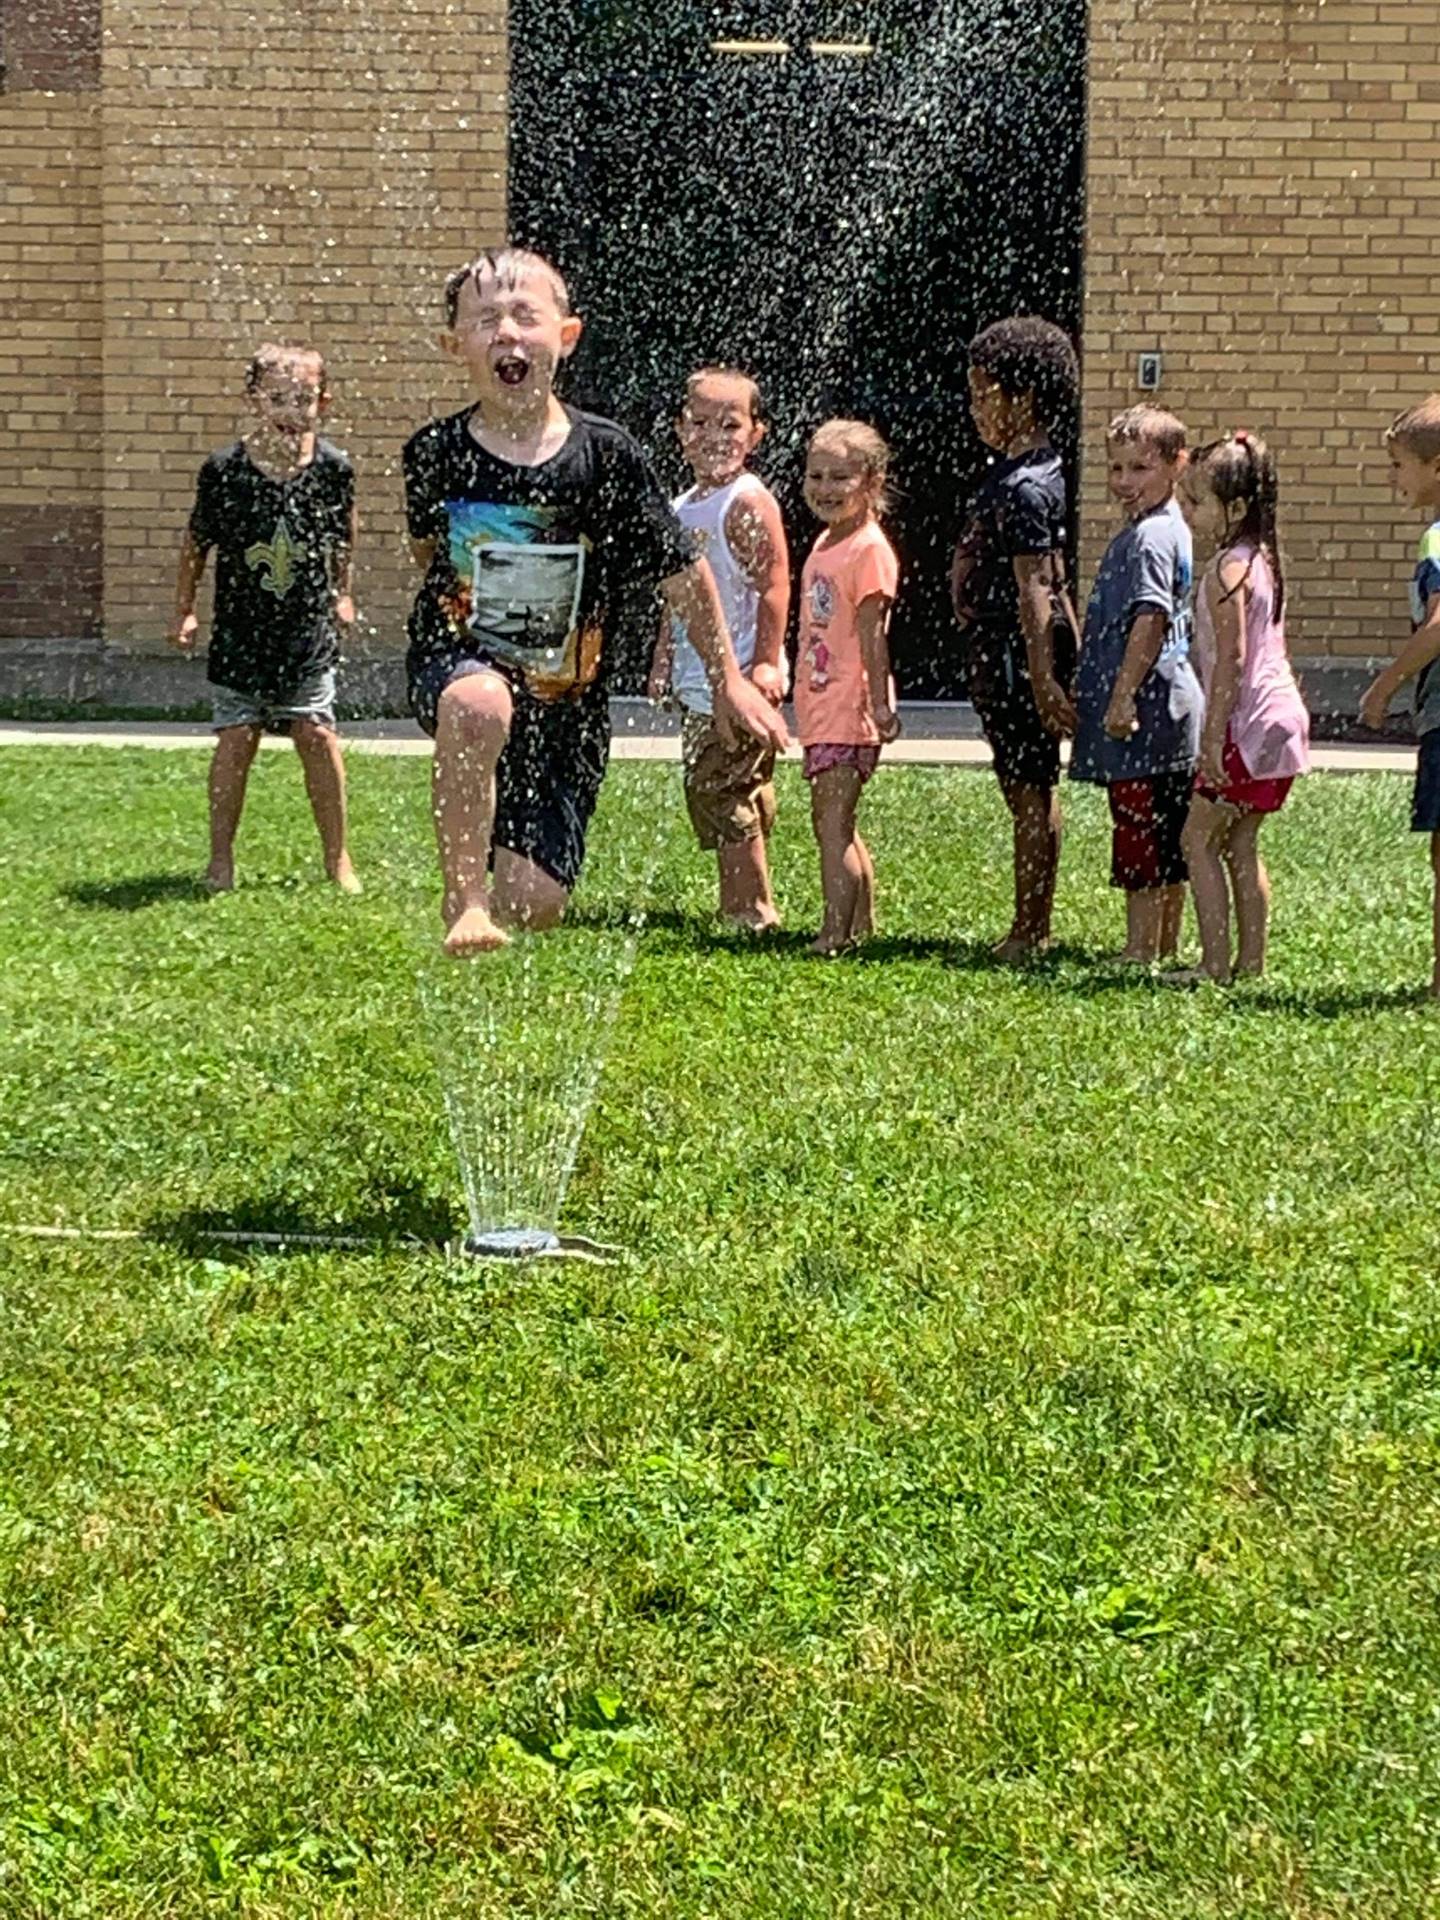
(144, 890)
(1329, 1002)
(702, 932)
(401, 1216)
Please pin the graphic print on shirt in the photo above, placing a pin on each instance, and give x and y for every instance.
(821, 612)
(518, 591)
(274, 561)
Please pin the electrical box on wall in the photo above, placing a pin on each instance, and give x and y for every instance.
(1149, 370)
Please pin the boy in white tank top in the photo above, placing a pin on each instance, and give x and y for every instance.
(735, 518)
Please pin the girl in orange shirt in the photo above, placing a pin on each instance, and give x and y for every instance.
(844, 694)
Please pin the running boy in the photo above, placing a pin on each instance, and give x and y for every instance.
(1414, 444)
(531, 521)
(1138, 703)
(735, 520)
(1008, 585)
(278, 506)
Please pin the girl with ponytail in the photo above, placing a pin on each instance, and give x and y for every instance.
(1256, 737)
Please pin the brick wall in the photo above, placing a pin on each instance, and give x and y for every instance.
(1264, 193)
(304, 172)
(1264, 200)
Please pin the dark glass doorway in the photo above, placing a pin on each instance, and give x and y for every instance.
(834, 196)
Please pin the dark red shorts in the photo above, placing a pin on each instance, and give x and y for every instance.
(830, 754)
(1149, 818)
(1239, 790)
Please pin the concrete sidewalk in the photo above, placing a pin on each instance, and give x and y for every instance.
(936, 735)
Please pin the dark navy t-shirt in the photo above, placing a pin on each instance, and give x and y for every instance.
(537, 567)
(1018, 509)
(276, 544)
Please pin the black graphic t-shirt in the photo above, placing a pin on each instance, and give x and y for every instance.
(1019, 508)
(535, 567)
(276, 543)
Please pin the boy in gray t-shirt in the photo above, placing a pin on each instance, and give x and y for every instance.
(1138, 702)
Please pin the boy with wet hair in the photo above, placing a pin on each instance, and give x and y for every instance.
(1138, 703)
(1008, 587)
(1413, 441)
(533, 523)
(729, 790)
(278, 506)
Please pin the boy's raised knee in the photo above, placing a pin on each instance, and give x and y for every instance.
(477, 709)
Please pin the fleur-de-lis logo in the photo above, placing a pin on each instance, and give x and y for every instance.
(275, 561)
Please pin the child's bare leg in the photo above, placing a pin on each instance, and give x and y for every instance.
(525, 895)
(1251, 884)
(862, 914)
(745, 898)
(1206, 828)
(1035, 831)
(472, 726)
(235, 749)
(319, 751)
(1144, 924)
(834, 797)
(1172, 918)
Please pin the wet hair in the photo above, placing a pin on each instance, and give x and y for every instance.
(1417, 429)
(740, 378)
(506, 266)
(1028, 355)
(278, 353)
(1240, 471)
(1149, 427)
(859, 441)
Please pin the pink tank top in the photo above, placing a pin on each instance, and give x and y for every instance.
(1269, 724)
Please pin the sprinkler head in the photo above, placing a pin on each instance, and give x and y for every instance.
(511, 1243)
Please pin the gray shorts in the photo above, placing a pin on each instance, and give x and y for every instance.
(313, 699)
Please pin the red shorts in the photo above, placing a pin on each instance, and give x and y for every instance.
(1239, 790)
(839, 753)
(1149, 818)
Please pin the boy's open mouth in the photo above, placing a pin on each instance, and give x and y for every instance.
(511, 369)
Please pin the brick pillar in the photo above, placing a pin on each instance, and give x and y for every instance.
(50, 309)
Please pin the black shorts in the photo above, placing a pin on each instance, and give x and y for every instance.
(549, 775)
(1425, 808)
(1149, 819)
(1026, 753)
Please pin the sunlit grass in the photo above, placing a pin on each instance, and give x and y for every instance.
(999, 1478)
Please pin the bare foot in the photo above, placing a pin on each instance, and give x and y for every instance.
(1194, 977)
(219, 877)
(762, 920)
(346, 878)
(1125, 958)
(473, 931)
(1016, 951)
(825, 949)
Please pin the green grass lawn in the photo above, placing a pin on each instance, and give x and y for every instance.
(998, 1479)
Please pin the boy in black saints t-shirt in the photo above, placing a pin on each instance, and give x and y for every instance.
(535, 525)
(279, 508)
(1009, 589)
